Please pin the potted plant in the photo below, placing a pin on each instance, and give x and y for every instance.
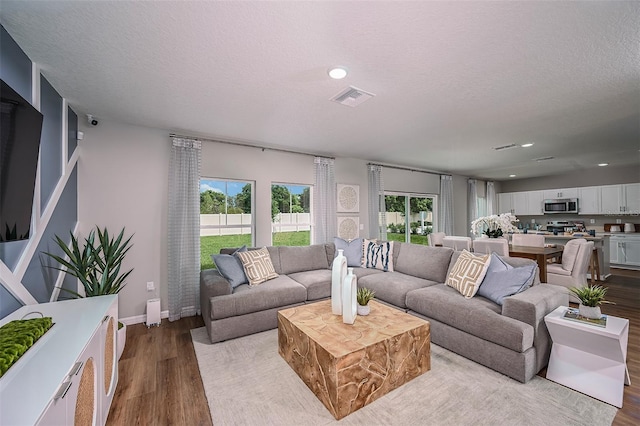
(97, 265)
(591, 297)
(363, 296)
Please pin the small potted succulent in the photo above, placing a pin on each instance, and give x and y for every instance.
(363, 296)
(591, 297)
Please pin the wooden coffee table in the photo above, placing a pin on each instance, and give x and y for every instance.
(349, 366)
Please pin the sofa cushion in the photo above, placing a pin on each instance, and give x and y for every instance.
(317, 283)
(503, 280)
(230, 267)
(392, 287)
(257, 265)
(352, 250)
(477, 316)
(275, 293)
(302, 258)
(430, 263)
(467, 273)
(378, 255)
(363, 272)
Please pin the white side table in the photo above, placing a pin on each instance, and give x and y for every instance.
(588, 358)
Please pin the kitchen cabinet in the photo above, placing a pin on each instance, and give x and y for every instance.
(505, 202)
(589, 200)
(627, 250)
(520, 203)
(73, 365)
(551, 194)
(632, 198)
(534, 202)
(620, 199)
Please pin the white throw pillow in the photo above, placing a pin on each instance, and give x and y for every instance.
(468, 272)
(257, 265)
(378, 255)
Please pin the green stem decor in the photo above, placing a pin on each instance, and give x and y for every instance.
(16, 337)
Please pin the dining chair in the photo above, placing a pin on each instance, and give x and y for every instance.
(435, 238)
(457, 243)
(530, 240)
(572, 272)
(499, 246)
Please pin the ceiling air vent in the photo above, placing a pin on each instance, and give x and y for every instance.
(352, 96)
(500, 148)
(543, 159)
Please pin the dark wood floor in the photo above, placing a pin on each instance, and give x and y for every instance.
(159, 381)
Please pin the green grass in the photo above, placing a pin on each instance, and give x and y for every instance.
(213, 244)
(415, 239)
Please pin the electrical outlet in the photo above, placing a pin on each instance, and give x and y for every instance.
(592, 221)
(533, 221)
(150, 286)
(618, 220)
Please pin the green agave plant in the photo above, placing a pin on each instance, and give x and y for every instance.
(590, 295)
(97, 264)
(364, 295)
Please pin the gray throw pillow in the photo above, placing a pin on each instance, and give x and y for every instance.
(503, 280)
(352, 250)
(231, 268)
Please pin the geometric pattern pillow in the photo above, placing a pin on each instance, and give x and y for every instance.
(257, 265)
(377, 255)
(468, 272)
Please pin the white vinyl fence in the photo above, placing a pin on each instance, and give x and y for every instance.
(235, 224)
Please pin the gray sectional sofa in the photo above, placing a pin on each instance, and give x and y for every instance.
(511, 338)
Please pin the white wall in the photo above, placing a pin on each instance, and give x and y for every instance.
(123, 182)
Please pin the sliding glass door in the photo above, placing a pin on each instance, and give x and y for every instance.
(410, 217)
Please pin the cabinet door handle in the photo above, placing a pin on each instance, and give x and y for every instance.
(76, 367)
(62, 390)
(105, 319)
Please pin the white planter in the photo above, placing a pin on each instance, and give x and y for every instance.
(338, 273)
(349, 303)
(590, 311)
(364, 310)
(122, 339)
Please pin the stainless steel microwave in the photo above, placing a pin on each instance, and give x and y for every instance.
(566, 205)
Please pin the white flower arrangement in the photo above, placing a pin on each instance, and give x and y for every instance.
(494, 225)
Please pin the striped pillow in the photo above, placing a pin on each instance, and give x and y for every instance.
(257, 265)
(377, 255)
(468, 272)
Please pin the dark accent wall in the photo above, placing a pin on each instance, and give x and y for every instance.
(8, 303)
(72, 128)
(15, 65)
(50, 146)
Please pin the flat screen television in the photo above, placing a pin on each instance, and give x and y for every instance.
(20, 131)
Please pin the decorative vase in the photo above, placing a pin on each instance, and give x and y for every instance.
(590, 311)
(363, 310)
(349, 304)
(338, 272)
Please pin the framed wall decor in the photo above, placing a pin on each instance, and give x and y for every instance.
(348, 198)
(348, 227)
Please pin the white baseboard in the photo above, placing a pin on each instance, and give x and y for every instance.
(140, 319)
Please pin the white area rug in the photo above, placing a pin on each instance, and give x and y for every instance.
(248, 383)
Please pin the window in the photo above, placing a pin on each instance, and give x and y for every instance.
(290, 215)
(481, 207)
(226, 217)
(409, 217)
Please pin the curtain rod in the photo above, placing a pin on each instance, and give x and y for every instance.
(407, 169)
(248, 145)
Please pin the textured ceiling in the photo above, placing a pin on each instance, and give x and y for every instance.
(452, 79)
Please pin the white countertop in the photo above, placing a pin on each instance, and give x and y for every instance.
(48, 361)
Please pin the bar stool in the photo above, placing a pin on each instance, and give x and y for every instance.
(594, 266)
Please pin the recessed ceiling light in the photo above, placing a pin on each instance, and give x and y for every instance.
(337, 73)
(527, 145)
(603, 164)
(512, 175)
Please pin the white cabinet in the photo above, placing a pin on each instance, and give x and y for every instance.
(620, 199)
(632, 198)
(73, 365)
(534, 202)
(520, 203)
(505, 202)
(550, 194)
(625, 250)
(589, 200)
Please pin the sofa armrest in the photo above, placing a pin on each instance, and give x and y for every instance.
(533, 304)
(212, 284)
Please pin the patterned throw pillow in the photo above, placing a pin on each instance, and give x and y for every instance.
(467, 273)
(257, 265)
(378, 255)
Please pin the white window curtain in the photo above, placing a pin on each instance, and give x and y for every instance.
(324, 201)
(377, 209)
(184, 229)
(446, 204)
(472, 203)
(491, 198)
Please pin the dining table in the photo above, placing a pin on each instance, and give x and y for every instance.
(540, 254)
